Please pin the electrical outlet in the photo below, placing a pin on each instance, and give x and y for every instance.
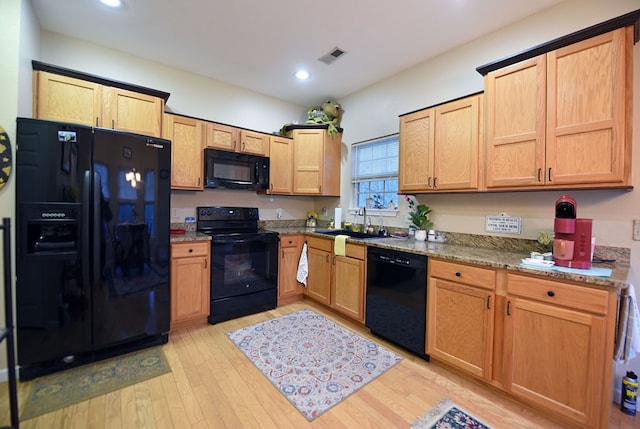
(636, 229)
(279, 213)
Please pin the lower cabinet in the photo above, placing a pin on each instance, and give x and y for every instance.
(558, 346)
(289, 289)
(337, 281)
(461, 309)
(190, 283)
(547, 343)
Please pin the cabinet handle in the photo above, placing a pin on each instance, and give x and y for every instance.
(113, 124)
(539, 173)
(334, 260)
(458, 274)
(198, 181)
(508, 308)
(327, 259)
(282, 251)
(551, 293)
(549, 174)
(429, 182)
(97, 122)
(435, 182)
(489, 302)
(206, 264)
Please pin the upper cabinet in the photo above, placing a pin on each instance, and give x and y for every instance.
(562, 119)
(225, 137)
(69, 97)
(439, 147)
(187, 136)
(316, 161)
(281, 165)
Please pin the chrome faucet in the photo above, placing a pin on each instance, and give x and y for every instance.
(364, 219)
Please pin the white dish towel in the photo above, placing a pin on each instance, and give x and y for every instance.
(628, 329)
(303, 266)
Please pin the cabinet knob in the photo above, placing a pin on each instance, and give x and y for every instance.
(458, 274)
(190, 250)
(551, 293)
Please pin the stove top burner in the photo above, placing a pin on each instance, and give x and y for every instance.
(230, 222)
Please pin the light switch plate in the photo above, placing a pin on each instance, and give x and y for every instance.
(636, 229)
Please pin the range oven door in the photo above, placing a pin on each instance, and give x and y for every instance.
(243, 265)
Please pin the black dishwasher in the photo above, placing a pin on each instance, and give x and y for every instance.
(397, 298)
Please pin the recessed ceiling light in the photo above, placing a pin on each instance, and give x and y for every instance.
(112, 3)
(302, 74)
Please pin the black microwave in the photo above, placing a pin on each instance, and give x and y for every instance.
(232, 170)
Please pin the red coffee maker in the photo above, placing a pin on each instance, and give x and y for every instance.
(572, 237)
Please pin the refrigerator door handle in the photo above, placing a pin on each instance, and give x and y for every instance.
(97, 228)
(86, 213)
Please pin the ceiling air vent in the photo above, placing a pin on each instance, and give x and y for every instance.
(333, 55)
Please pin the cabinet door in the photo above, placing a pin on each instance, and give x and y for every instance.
(221, 136)
(347, 294)
(417, 136)
(319, 280)
(290, 248)
(308, 162)
(281, 165)
(254, 143)
(460, 326)
(587, 111)
(516, 100)
(65, 99)
(133, 112)
(190, 283)
(186, 135)
(457, 142)
(554, 358)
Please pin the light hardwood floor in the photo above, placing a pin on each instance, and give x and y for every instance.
(213, 385)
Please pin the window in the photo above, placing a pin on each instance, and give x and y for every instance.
(374, 173)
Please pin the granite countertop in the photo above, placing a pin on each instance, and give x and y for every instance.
(189, 236)
(509, 260)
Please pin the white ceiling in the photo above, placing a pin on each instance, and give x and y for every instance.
(258, 45)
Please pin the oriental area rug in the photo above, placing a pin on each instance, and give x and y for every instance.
(314, 362)
(65, 388)
(447, 415)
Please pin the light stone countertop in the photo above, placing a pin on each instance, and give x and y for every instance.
(496, 257)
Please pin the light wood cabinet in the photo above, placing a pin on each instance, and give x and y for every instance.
(68, 99)
(319, 257)
(552, 121)
(348, 282)
(337, 281)
(186, 135)
(225, 137)
(289, 289)
(316, 162)
(190, 283)
(558, 343)
(461, 309)
(281, 165)
(439, 147)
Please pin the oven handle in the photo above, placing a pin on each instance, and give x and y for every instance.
(242, 240)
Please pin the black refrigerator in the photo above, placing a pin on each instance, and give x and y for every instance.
(92, 244)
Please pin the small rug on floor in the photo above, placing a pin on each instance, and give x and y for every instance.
(65, 388)
(447, 415)
(314, 362)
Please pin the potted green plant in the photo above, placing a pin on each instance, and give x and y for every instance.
(419, 217)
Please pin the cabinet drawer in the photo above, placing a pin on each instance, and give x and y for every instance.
(564, 294)
(289, 240)
(195, 248)
(460, 273)
(320, 243)
(355, 251)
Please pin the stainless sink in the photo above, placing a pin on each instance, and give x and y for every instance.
(353, 234)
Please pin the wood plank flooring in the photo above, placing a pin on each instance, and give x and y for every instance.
(213, 385)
